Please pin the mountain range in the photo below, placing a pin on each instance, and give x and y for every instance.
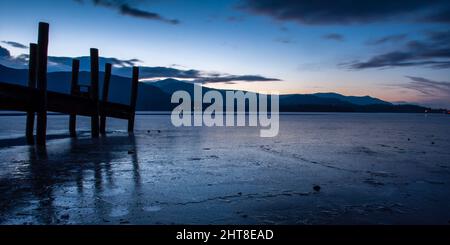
(155, 96)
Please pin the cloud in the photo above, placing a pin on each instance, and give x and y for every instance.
(234, 78)
(123, 67)
(429, 87)
(235, 18)
(323, 12)
(433, 52)
(152, 73)
(435, 93)
(126, 8)
(4, 52)
(63, 63)
(439, 37)
(334, 37)
(15, 44)
(388, 39)
(284, 40)
(442, 16)
(160, 72)
(6, 59)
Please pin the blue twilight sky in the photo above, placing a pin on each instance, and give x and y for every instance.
(393, 50)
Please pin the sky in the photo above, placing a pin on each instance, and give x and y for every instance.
(397, 51)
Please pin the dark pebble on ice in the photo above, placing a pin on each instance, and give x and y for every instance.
(409, 139)
(148, 131)
(65, 216)
(316, 188)
(432, 142)
(240, 193)
(159, 131)
(130, 152)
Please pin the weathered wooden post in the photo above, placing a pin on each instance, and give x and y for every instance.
(73, 91)
(94, 92)
(133, 98)
(31, 84)
(105, 94)
(42, 52)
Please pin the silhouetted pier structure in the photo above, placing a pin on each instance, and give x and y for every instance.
(82, 100)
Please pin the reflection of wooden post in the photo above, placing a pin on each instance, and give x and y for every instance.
(133, 98)
(41, 128)
(73, 91)
(105, 97)
(31, 84)
(94, 92)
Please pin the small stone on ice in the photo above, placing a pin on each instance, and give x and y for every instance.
(130, 152)
(316, 188)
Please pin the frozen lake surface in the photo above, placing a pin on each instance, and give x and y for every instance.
(371, 169)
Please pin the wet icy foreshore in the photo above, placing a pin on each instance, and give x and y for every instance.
(371, 169)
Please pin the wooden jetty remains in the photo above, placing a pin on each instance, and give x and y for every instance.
(35, 100)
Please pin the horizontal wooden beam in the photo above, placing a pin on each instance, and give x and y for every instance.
(20, 98)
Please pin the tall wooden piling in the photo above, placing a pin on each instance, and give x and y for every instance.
(42, 52)
(94, 92)
(133, 98)
(31, 84)
(105, 94)
(73, 91)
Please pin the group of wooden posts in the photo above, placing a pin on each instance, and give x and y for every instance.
(36, 100)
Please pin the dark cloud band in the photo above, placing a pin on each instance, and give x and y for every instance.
(433, 51)
(320, 12)
(126, 8)
(334, 37)
(123, 67)
(15, 44)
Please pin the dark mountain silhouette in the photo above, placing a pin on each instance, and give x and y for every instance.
(171, 85)
(357, 100)
(319, 102)
(156, 95)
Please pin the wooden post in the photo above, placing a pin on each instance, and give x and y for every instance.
(133, 98)
(42, 52)
(94, 92)
(31, 84)
(105, 93)
(73, 90)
